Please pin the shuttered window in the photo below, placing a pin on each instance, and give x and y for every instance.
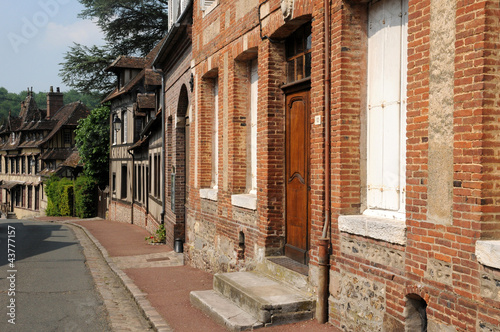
(386, 113)
(254, 84)
(215, 137)
(124, 127)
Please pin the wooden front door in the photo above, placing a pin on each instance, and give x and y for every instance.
(297, 176)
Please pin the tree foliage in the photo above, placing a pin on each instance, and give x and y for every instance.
(130, 28)
(83, 69)
(92, 141)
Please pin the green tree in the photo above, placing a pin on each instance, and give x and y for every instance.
(83, 69)
(92, 141)
(130, 28)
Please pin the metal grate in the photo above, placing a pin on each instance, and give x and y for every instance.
(290, 264)
(157, 259)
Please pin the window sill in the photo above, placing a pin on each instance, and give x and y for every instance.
(488, 253)
(246, 201)
(209, 193)
(384, 229)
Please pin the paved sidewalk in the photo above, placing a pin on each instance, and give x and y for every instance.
(158, 279)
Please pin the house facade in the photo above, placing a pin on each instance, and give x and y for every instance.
(35, 145)
(355, 141)
(136, 142)
(360, 137)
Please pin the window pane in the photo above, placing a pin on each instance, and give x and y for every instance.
(308, 37)
(299, 39)
(299, 68)
(308, 64)
(290, 71)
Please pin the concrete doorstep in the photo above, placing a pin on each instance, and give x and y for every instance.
(249, 300)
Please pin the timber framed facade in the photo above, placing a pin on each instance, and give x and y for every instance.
(33, 146)
(135, 179)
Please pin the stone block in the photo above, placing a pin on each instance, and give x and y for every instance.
(439, 271)
(488, 253)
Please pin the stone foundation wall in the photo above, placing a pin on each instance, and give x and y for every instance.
(119, 211)
(209, 248)
(359, 303)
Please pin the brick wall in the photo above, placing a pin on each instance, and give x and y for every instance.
(438, 263)
(451, 202)
(177, 103)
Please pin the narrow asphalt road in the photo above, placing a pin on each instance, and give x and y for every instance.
(45, 284)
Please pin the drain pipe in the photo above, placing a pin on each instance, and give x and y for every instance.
(133, 188)
(323, 250)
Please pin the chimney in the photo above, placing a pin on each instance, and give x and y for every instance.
(54, 101)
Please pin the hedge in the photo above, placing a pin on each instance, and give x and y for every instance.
(85, 197)
(58, 192)
(61, 194)
(66, 202)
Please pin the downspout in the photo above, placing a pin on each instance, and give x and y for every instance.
(323, 250)
(133, 189)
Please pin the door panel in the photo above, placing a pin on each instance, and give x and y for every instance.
(297, 176)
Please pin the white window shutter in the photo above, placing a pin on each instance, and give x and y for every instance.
(124, 127)
(386, 106)
(215, 138)
(254, 86)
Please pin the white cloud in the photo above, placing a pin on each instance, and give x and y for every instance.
(83, 32)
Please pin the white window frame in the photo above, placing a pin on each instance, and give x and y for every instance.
(385, 170)
(115, 135)
(249, 199)
(124, 126)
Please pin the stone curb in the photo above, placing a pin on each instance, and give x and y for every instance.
(149, 312)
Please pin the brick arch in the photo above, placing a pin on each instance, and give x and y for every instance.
(183, 102)
(289, 27)
(415, 313)
(417, 290)
(247, 55)
(180, 163)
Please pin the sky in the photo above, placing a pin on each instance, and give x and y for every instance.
(34, 36)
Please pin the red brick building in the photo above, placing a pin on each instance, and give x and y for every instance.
(404, 180)
(174, 60)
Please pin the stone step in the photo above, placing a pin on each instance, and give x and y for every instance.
(223, 311)
(11, 215)
(287, 271)
(267, 300)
